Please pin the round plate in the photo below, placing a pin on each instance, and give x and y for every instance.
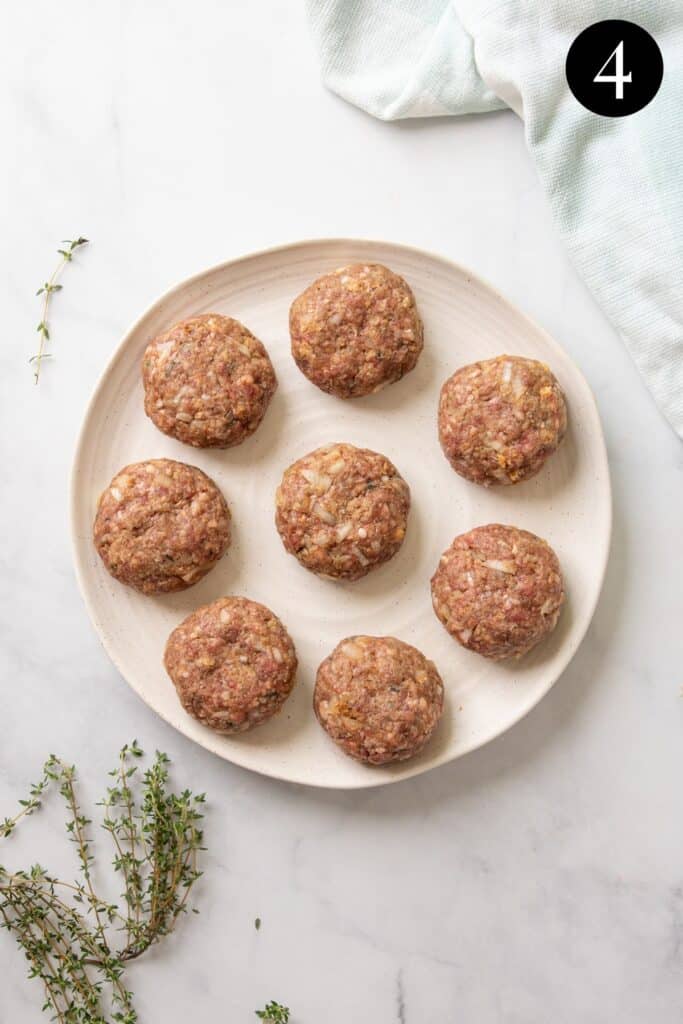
(568, 503)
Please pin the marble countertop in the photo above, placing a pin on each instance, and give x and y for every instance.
(541, 878)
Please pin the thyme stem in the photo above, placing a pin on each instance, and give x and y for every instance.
(47, 290)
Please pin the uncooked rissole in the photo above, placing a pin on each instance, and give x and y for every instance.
(498, 590)
(207, 381)
(500, 419)
(356, 330)
(378, 698)
(232, 663)
(161, 526)
(342, 511)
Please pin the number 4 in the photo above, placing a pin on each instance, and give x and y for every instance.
(619, 78)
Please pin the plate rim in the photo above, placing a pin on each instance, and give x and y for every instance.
(375, 778)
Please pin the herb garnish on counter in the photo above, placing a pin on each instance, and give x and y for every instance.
(48, 290)
(69, 934)
(274, 1012)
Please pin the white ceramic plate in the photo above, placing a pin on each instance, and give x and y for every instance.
(568, 503)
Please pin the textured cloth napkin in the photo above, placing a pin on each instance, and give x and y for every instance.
(615, 184)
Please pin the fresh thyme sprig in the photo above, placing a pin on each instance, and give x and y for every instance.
(47, 290)
(274, 1013)
(65, 928)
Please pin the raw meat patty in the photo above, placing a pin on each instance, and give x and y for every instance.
(378, 698)
(500, 419)
(498, 590)
(161, 525)
(356, 330)
(232, 663)
(342, 511)
(207, 381)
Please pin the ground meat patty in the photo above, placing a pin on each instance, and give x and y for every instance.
(342, 511)
(378, 698)
(207, 381)
(498, 590)
(232, 663)
(355, 330)
(500, 419)
(161, 525)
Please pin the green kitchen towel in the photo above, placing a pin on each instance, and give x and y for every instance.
(615, 184)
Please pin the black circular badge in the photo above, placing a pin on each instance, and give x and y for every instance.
(614, 68)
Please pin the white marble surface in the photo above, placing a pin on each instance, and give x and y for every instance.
(538, 880)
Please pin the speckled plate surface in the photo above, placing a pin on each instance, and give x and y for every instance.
(568, 503)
